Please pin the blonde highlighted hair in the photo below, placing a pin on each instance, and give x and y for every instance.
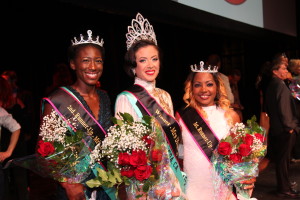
(221, 99)
(293, 65)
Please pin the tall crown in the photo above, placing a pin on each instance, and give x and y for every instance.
(200, 68)
(89, 40)
(140, 29)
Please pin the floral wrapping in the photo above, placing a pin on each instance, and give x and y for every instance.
(236, 159)
(138, 156)
(295, 87)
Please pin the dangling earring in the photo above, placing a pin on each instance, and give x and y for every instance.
(133, 71)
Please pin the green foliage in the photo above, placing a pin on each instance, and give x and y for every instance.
(127, 117)
(146, 185)
(108, 178)
(227, 139)
(255, 127)
(147, 119)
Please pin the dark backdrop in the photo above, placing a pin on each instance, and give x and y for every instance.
(35, 37)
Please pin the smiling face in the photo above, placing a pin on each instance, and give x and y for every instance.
(88, 65)
(147, 63)
(204, 89)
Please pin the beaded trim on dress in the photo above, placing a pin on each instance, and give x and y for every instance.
(158, 94)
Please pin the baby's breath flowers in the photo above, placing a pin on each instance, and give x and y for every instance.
(54, 128)
(125, 138)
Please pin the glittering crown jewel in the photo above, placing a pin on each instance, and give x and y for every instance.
(200, 68)
(89, 40)
(140, 29)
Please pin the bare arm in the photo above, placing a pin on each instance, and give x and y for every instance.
(12, 145)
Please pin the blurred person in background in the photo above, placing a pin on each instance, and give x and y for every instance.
(234, 78)
(284, 126)
(294, 83)
(13, 128)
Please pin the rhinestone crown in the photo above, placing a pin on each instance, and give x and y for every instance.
(89, 40)
(200, 68)
(140, 29)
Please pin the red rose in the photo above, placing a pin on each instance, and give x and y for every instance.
(248, 139)
(45, 148)
(260, 137)
(236, 158)
(124, 159)
(224, 148)
(127, 172)
(138, 158)
(147, 140)
(245, 149)
(156, 155)
(142, 172)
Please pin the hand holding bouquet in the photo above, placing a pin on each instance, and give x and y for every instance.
(237, 157)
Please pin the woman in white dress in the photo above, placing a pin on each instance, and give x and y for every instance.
(142, 62)
(205, 120)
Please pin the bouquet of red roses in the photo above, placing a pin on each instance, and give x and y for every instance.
(137, 156)
(237, 157)
(63, 154)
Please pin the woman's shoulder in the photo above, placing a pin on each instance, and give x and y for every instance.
(232, 116)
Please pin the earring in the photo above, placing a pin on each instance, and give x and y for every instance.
(133, 71)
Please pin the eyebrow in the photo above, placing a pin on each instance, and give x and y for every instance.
(143, 57)
(204, 82)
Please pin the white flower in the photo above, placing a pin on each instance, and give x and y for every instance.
(124, 138)
(53, 128)
(96, 154)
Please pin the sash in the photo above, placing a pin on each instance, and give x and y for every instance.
(201, 132)
(68, 106)
(147, 105)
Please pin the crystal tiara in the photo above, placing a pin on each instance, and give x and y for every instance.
(89, 40)
(140, 29)
(200, 68)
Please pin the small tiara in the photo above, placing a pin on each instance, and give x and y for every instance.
(140, 29)
(210, 69)
(89, 40)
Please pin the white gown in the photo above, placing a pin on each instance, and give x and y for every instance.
(196, 166)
